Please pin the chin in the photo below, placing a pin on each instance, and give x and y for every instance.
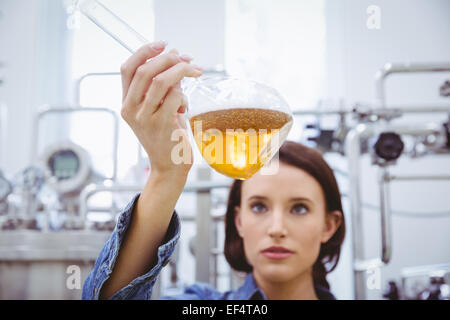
(278, 272)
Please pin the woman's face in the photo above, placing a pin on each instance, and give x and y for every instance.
(282, 220)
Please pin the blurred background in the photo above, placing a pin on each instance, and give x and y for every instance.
(367, 81)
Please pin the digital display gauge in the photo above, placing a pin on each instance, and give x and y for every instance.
(64, 164)
(69, 166)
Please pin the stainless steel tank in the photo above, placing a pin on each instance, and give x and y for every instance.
(47, 265)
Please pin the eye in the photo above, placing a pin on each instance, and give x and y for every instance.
(258, 207)
(299, 209)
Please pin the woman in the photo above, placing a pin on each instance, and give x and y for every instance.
(285, 230)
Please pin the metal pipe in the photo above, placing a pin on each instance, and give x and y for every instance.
(3, 133)
(203, 262)
(417, 177)
(205, 186)
(393, 109)
(353, 151)
(391, 68)
(78, 102)
(215, 218)
(424, 130)
(417, 109)
(361, 265)
(87, 75)
(203, 219)
(92, 189)
(385, 216)
(47, 110)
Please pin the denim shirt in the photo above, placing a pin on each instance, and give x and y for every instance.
(141, 287)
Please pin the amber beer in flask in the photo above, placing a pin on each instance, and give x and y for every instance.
(237, 142)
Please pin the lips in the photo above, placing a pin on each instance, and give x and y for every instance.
(277, 252)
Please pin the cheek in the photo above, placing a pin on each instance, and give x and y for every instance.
(249, 222)
(252, 232)
(308, 234)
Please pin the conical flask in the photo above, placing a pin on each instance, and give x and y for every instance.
(237, 124)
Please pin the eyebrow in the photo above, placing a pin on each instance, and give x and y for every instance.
(291, 200)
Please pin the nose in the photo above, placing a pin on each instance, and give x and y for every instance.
(277, 227)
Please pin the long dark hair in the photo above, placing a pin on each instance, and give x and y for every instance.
(311, 161)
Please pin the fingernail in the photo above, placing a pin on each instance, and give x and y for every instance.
(158, 45)
(186, 57)
(182, 109)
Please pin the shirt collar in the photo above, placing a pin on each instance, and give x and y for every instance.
(249, 290)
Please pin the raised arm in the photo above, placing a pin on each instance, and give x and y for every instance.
(153, 104)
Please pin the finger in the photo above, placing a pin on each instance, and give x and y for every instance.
(141, 56)
(183, 107)
(173, 101)
(146, 72)
(174, 51)
(187, 58)
(164, 81)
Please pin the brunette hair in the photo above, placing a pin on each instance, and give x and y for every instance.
(312, 162)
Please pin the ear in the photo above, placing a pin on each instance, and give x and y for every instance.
(237, 220)
(333, 220)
